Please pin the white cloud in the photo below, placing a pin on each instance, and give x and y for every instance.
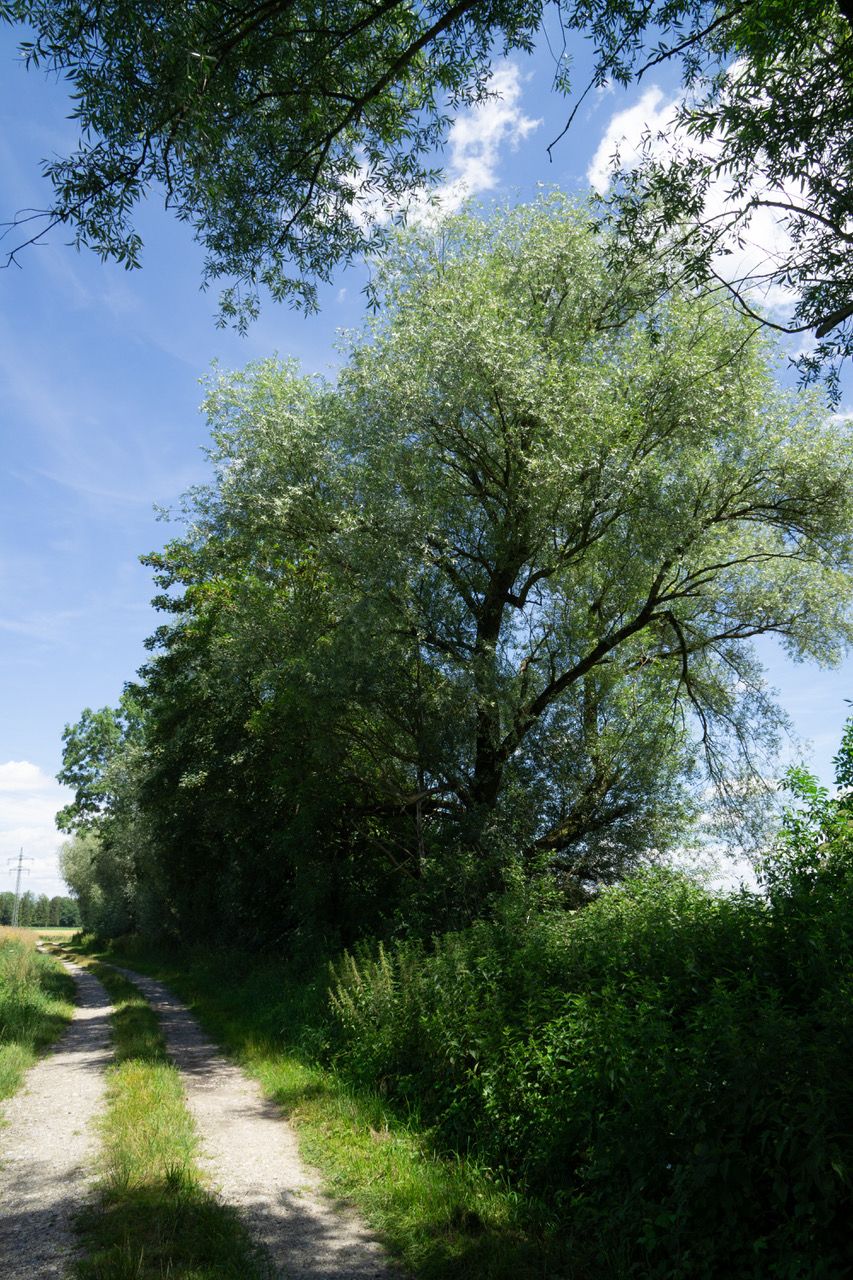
(29, 799)
(473, 153)
(624, 132)
(21, 775)
(478, 135)
(763, 243)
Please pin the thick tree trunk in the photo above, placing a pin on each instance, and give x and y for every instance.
(488, 768)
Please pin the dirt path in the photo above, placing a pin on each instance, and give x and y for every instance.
(251, 1154)
(49, 1143)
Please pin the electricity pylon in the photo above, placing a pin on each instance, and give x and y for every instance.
(21, 871)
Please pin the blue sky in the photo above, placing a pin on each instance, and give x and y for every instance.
(99, 387)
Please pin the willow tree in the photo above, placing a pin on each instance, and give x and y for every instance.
(494, 592)
(276, 130)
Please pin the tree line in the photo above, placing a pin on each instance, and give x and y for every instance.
(40, 911)
(479, 612)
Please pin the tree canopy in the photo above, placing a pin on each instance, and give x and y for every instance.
(272, 128)
(484, 606)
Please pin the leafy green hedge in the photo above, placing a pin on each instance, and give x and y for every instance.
(669, 1069)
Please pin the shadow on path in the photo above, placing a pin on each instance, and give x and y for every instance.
(251, 1156)
(48, 1142)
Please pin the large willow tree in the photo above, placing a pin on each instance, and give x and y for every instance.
(487, 602)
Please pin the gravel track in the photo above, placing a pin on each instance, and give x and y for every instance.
(48, 1143)
(250, 1154)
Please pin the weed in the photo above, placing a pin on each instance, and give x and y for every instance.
(444, 1217)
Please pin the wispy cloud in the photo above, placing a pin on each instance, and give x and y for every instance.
(478, 137)
(91, 489)
(475, 148)
(44, 627)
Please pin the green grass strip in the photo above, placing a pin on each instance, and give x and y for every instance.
(36, 1005)
(155, 1218)
(445, 1218)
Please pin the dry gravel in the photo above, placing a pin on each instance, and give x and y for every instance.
(251, 1156)
(48, 1142)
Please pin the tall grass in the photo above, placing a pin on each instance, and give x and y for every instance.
(36, 1004)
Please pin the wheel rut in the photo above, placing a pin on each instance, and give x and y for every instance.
(250, 1153)
(49, 1142)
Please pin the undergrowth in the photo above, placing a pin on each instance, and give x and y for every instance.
(36, 1004)
(666, 1069)
(443, 1217)
(654, 1086)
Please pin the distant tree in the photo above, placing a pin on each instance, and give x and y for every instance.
(272, 128)
(69, 913)
(26, 910)
(41, 911)
(7, 905)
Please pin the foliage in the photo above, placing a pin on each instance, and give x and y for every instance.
(41, 911)
(90, 749)
(482, 609)
(442, 1218)
(104, 862)
(655, 1085)
(35, 1006)
(815, 836)
(268, 126)
(767, 122)
(667, 1068)
(276, 131)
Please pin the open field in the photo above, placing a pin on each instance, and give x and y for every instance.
(31, 934)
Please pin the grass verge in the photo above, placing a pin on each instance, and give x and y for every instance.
(445, 1218)
(154, 1217)
(36, 1005)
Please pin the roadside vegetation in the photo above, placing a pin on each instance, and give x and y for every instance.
(443, 1217)
(654, 1085)
(36, 1004)
(154, 1216)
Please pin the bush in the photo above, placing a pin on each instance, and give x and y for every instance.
(668, 1069)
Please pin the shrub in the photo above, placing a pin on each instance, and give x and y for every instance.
(668, 1069)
